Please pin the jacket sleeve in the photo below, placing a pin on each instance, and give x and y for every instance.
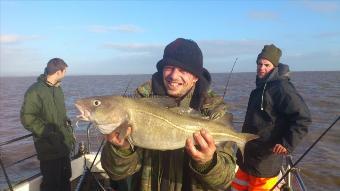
(297, 116)
(30, 115)
(118, 163)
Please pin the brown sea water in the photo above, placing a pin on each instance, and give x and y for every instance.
(320, 168)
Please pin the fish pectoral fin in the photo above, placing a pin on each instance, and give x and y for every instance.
(123, 134)
(245, 138)
(122, 130)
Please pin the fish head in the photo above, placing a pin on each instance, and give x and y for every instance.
(105, 112)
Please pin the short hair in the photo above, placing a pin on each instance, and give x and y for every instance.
(54, 65)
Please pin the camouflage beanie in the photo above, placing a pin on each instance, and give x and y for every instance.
(271, 53)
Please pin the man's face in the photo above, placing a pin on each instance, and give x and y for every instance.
(264, 67)
(177, 81)
(61, 74)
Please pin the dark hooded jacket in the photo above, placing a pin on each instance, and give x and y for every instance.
(153, 170)
(278, 114)
(43, 113)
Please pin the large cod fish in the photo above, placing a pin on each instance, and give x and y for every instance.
(153, 125)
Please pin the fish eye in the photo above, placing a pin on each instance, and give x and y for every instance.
(96, 102)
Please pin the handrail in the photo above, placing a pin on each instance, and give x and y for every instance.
(295, 172)
(15, 139)
(6, 175)
(19, 161)
(1, 163)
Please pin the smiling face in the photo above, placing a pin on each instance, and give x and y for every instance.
(177, 81)
(264, 67)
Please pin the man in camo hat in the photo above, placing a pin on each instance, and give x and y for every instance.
(278, 114)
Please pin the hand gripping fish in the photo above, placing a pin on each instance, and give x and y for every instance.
(154, 125)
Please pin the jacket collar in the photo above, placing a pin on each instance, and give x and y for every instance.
(43, 78)
(280, 72)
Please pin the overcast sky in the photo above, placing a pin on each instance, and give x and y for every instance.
(128, 37)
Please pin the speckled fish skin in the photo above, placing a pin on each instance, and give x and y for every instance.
(153, 126)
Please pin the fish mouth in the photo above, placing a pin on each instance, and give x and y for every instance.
(105, 129)
(84, 114)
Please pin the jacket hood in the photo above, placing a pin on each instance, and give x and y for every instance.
(43, 79)
(281, 72)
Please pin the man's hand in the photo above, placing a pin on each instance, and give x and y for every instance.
(204, 151)
(119, 139)
(280, 150)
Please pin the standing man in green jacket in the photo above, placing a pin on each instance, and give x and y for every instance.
(180, 74)
(43, 113)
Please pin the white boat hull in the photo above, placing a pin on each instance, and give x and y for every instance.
(33, 184)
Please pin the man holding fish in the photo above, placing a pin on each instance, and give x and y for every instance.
(163, 146)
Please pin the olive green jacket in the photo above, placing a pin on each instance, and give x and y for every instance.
(43, 113)
(153, 170)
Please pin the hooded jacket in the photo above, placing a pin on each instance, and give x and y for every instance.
(278, 114)
(43, 113)
(154, 170)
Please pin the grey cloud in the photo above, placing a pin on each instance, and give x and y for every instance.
(134, 47)
(328, 35)
(119, 64)
(126, 28)
(21, 61)
(322, 6)
(315, 61)
(263, 15)
(210, 48)
(12, 38)
(216, 53)
(225, 48)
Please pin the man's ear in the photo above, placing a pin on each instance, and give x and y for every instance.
(58, 72)
(195, 79)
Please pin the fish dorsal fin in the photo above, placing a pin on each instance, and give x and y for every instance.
(188, 111)
(160, 101)
(225, 120)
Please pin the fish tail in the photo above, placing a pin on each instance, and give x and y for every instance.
(245, 138)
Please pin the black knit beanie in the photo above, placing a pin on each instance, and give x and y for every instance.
(183, 53)
(271, 53)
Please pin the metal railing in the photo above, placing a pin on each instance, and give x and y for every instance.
(21, 160)
(293, 174)
(81, 151)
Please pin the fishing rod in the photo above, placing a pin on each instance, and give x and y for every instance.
(127, 87)
(305, 153)
(225, 88)
(88, 170)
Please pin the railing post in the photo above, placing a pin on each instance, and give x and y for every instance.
(88, 137)
(5, 173)
(289, 176)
